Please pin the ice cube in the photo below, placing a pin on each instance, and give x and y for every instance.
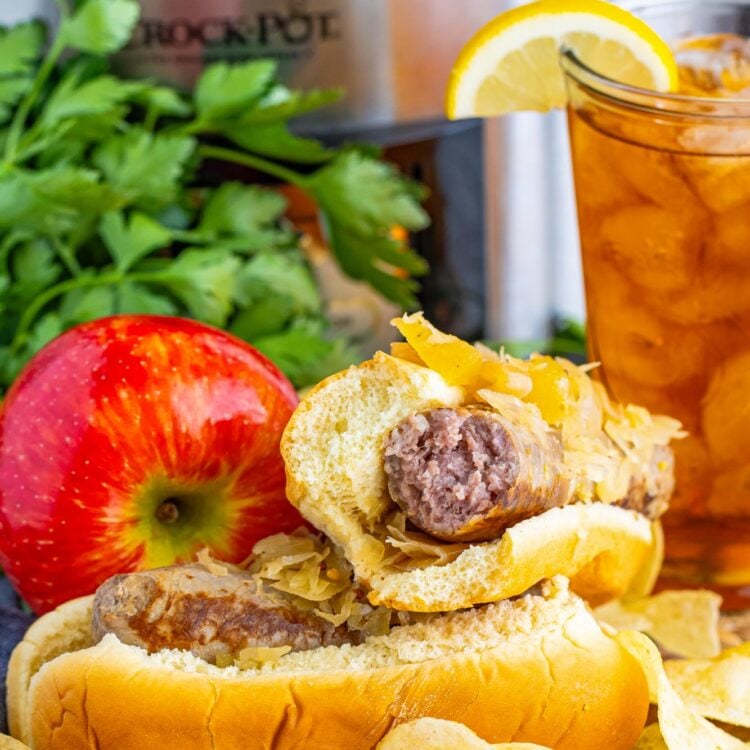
(632, 340)
(730, 493)
(726, 413)
(693, 474)
(721, 182)
(728, 244)
(716, 65)
(658, 249)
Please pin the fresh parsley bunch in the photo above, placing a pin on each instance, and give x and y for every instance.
(102, 209)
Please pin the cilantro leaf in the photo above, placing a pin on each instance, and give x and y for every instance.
(362, 200)
(275, 140)
(225, 89)
(128, 243)
(73, 98)
(100, 26)
(203, 280)
(237, 209)
(148, 168)
(19, 48)
(137, 299)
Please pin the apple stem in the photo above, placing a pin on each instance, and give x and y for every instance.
(168, 511)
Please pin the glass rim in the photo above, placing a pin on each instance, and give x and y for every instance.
(648, 100)
(663, 102)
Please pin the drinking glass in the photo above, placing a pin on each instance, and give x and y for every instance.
(663, 195)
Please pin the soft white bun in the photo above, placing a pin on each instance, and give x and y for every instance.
(8, 743)
(536, 669)
(333, 449)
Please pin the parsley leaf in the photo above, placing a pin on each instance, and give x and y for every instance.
(34, 268)
(11, 90)
(164, 101)
(105, 206)
(304, 353)
(147, 168)
(136, 298)
(362, 200)
(128, 243)
(74, 98)
(21, 207)
(284, 275)
(100, 26)
(76, 188)
(47, 328)
(203, 280)
(225, 89)
(82, 305)
(237, 209)
(19, 48)
(281, 104)
(276, 141)
(265, 316)
(367, 195)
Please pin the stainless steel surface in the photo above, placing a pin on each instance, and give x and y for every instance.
(391, 56)
(15, 11)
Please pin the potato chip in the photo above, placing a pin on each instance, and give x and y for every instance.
(683, 623)
(439, 734)
(717, 688)
(645, 580)
(681, 727)
(457, 361)
(651, 739)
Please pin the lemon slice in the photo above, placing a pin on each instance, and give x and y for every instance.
(512, 63)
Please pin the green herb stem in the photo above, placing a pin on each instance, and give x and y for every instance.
(12, 239)
(254, 162)
(22, 113)
(43, 299)
(107, 279)
(65, 254)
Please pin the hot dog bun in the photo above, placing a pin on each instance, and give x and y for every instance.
(535, 669)
(8, 743)
(334, 453)
(439, 734)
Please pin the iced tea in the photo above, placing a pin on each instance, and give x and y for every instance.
(663, 191)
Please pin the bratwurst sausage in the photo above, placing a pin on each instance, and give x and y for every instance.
(464, 474)
(191, 608)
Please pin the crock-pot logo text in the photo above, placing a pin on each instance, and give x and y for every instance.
(264, 29)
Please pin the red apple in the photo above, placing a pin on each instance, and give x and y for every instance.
(131, 442)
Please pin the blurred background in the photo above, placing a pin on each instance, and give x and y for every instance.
(502, 246)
